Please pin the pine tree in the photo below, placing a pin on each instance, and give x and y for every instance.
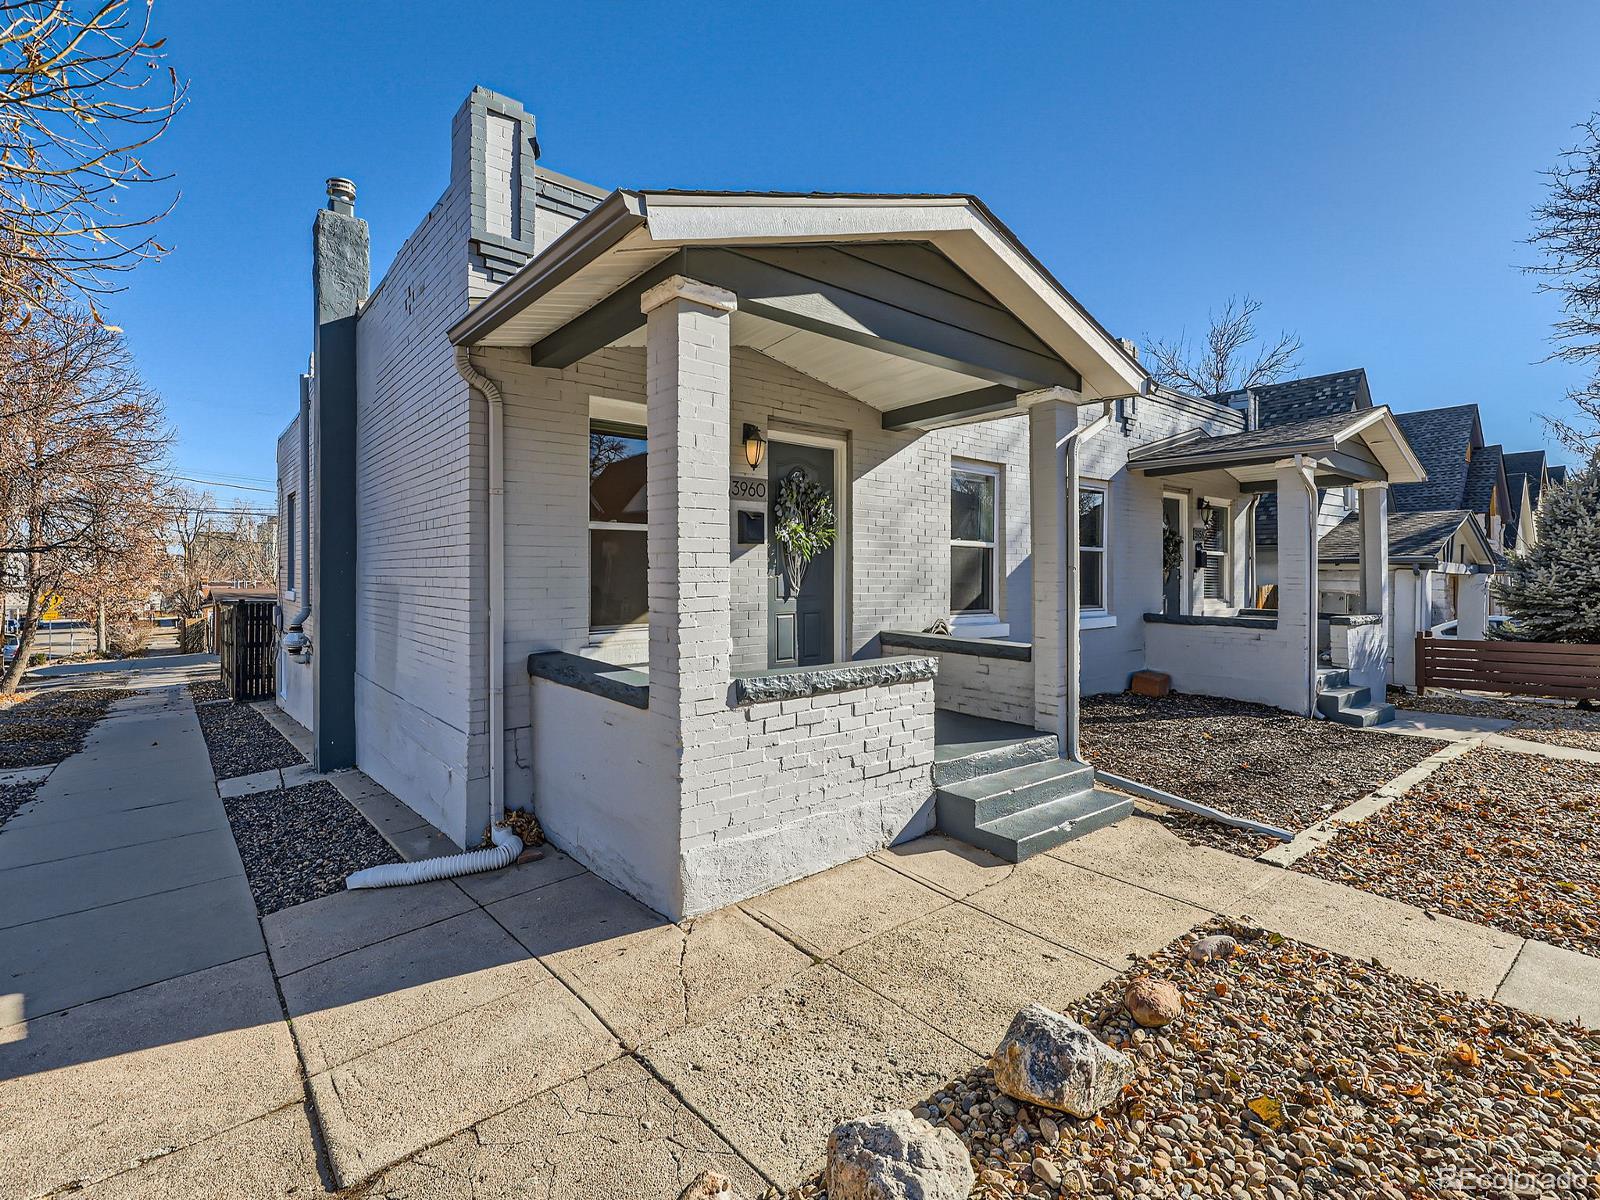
(1552, 591)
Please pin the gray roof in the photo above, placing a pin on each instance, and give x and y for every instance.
(1254, 443)
(1558, 476)
(1531, 464)
(1314, 396)
(1412, 536)
(1441, 438)
(1294, 400)
(1514, 486)
(1486, 474)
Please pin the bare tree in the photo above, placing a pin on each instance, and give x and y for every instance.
(1567, 231)
(83, 94)
(1230, 357)
(208, 544)
(81, 465)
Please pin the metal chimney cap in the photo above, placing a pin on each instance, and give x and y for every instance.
(341, 195)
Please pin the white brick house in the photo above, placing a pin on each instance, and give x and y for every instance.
(538, 564)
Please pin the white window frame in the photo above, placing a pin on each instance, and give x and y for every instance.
(621, 412)
(985, 622)
(1225, 509)
(1103, 609)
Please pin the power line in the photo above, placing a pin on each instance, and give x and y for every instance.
(238, 487)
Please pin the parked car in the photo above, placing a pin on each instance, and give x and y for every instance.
(1497, 626)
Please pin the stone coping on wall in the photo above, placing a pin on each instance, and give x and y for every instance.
(795, 683)
(944, 643)
(1197, 619)
(622, 684)
(1355, 619)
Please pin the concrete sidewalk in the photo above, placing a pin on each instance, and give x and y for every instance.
(141, 1013)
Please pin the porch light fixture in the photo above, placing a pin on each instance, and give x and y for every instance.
(755, 446)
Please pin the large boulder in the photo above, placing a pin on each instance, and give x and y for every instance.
(1051, 1060)
(896, 1156)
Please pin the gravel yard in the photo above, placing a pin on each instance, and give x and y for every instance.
(13, 796)
(299, 843)
(47, 725)
(1503, 839)
(1245, 759)
(1296, 1072)
(241, 740)
(1536, 721)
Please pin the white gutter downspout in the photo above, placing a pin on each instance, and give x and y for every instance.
(1308, 481)
(507, 845)
(1069, 603)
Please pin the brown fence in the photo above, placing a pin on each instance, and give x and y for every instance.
(246, 646)
(1567, 670)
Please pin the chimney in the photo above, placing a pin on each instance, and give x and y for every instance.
(341, 265)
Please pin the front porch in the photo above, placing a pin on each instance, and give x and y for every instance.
(1211, 637)
(701, 722)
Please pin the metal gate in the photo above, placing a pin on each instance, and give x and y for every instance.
(246, 646)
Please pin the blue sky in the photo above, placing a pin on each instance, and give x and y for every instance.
(1364, 170)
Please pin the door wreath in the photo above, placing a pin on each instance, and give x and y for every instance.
(802, 524)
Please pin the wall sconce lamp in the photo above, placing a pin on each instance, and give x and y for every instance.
(755, 446)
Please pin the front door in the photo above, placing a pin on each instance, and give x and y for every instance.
(800, 623)
(1173, 555)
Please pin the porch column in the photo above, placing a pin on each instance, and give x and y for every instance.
(687, 389)
(1297, 584)
(1472, 608)
(1373, 504)
(1054, 584)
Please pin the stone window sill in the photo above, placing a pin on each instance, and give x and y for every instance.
(795, 683)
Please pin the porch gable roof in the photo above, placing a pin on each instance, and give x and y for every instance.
(1360, 446)
(931, 288)
(1418, 538)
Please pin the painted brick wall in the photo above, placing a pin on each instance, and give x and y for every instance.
(980, 686)
(293, 679)
(419, 470)
(801, 785)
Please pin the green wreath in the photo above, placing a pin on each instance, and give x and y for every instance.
(802, 524)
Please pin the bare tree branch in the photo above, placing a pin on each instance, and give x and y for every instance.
(1223, 362)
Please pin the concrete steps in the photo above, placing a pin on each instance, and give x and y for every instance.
(1011, 794)
(1343, 704)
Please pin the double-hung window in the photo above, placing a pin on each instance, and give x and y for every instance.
(1092, 548)
(974, 540)
(618, 588)
(1215, 540)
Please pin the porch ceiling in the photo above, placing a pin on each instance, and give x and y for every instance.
(923, 307)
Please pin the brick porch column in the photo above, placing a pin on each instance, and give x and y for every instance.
(1373, 523)
(1297, 576)
(1048, 422)
(687, 372)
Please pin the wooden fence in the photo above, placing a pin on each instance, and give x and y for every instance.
(1567, 670)
(247, 647)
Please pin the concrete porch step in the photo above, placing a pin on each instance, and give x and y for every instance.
(1332, 699)
(1001, 793)
(1346, 705)
(967, 747)
(1034, 830)
(1332, 677)
(1364, 716)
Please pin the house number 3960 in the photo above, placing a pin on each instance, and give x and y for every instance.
(748, 489)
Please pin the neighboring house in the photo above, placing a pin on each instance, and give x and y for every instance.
(1528, 477)
(530, 552)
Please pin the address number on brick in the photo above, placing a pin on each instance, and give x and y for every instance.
(748, 489)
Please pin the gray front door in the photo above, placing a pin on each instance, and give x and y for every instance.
(799, 624)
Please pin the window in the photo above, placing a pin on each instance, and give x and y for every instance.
(291, 543)
(618, 591)
(1092, 548)
(1214, 539)
(974, 586)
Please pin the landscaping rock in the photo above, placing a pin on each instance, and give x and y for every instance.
(1153, 1002)
(896, 1156)
(1216, 945)
(1051, 1060)
(710, 1185)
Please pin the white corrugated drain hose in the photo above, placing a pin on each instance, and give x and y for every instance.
(507, 846)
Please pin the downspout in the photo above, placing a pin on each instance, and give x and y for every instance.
(1312, 505)
(295, 643)
(506, 844)
(1070, 603)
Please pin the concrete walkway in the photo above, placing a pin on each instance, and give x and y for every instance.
(141, 1015)
(538, 1032)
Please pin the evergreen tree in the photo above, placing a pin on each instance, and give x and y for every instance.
(1552, 591)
